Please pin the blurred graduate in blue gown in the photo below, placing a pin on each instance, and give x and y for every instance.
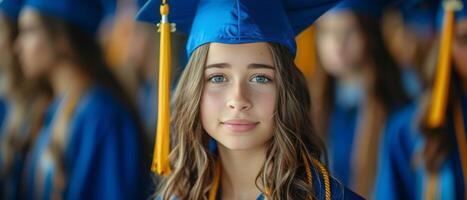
(425, 155)
(91, 144)
(409, 29)
(22, 106)
(356, 87)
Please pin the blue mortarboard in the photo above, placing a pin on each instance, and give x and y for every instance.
(462, 13)
(140, 3)
(239, 21)
(84, 14)
(373, 8)
(11, 8)
(420, 15)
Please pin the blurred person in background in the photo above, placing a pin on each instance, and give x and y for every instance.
(357, 87)
(409, 31)
(25, 103)
(425, 156)
(91, 145)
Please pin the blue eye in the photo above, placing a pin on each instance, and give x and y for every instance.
(217, 79)
(261, 79)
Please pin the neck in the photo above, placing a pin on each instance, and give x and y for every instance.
(67, 78)
(239, 171)
(352, 77)
(350, 91)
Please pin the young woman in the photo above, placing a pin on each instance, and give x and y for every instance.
(357, 87)
(426, 162)
(90, 146)
(241, 111)
(24, 105)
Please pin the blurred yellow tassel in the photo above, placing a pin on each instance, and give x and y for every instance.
(160, 162)
(441, 85)
(306, 56)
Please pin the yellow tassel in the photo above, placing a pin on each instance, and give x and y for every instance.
(441, 85)
(306, 56)
(160, 163)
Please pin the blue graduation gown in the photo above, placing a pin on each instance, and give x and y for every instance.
(342, 127)
(403, 175)
(147, 104)
(102, 159)
(342, 130)
(338, 190)
(10, 183)
(3, 111)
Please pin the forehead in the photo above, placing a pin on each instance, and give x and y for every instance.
(338, 20)
(240, 54)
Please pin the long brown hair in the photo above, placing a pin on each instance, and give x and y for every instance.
(193, 165)
(384, 92)
(27, 102)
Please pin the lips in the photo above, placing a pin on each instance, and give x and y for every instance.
(239, 125)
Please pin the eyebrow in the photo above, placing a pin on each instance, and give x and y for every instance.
(250, 66)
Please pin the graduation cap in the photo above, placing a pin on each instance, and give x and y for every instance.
(84, 14)
(373, 8)
(11, 8)
(140, 3)
(420, 15)
(452, 9)
(221, 21)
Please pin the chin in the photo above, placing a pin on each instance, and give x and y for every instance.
(232, 146)
(237, 144)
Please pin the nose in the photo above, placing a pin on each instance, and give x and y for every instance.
(239, 100)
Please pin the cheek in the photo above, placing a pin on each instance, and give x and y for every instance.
(328, 52)
(212, 103)
(460, 59)
(355, 50)
(264, 102)
(36, 57)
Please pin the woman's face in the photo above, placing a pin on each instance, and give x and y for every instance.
(239, 95)
(459, 49)
(35, 51)
(340, 43)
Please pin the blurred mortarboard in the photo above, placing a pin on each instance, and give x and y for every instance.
(239, 21)
(140, 3)
(463, 12)
(373, 8)
(86, 15)
(11, 8)
(420, 15)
